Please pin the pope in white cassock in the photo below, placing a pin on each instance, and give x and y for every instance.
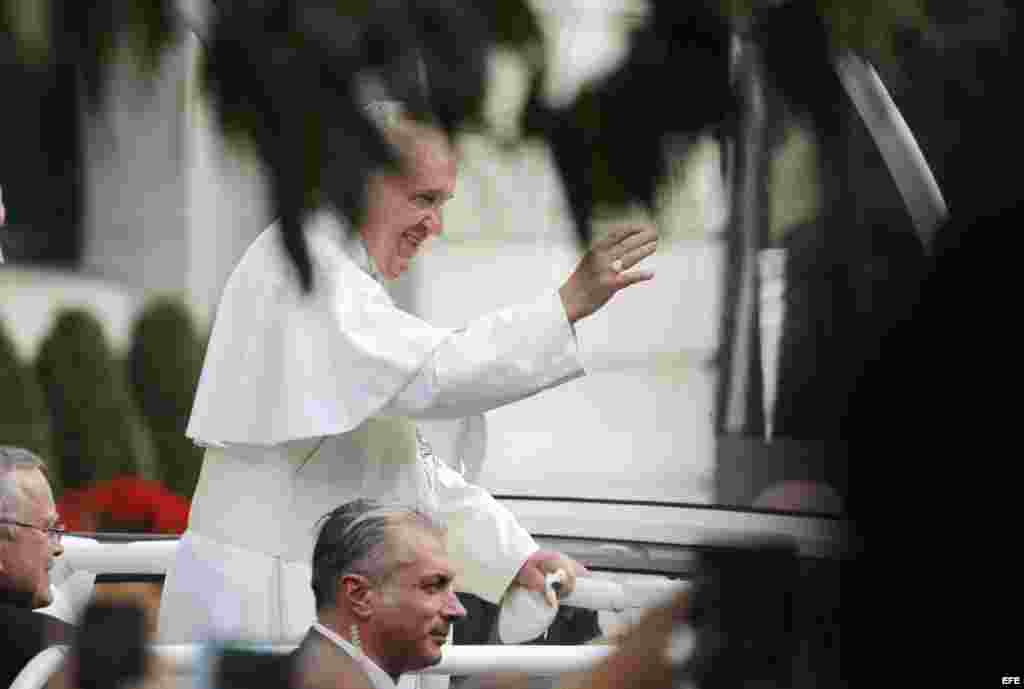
(307, 400)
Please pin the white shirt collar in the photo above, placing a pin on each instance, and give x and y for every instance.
(355, 247)
(378, 678)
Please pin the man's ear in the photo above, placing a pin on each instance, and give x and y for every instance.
(358, 592)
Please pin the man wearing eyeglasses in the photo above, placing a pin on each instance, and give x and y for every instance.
(29, 541)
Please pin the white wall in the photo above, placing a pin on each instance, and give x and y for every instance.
(31, 298)
(135, 187)
(170, 207)
(226, 200)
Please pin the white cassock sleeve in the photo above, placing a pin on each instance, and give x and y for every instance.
(282, 365)
(497, 359)
(484, 538)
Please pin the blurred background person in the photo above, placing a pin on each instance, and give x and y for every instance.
(30, 538)
(110, 648)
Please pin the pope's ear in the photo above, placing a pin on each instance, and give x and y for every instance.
(357, 591)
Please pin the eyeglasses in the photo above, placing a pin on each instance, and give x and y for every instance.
(53, 533)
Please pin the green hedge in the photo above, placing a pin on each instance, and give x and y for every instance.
(164, 362)
(97, 430)
(24, 419)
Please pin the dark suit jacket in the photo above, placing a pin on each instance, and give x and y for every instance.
(319, 663)
(23, 634)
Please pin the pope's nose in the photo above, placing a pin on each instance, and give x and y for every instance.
(433, 222)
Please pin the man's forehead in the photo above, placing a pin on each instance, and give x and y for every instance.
(36, 490)
(431, 164)
(424, 550)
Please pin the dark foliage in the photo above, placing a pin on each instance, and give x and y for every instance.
(609, 142)
(24, 421)
(164, 362)
(97, 433)
(797, 54)
(89, 35)
(285, 76)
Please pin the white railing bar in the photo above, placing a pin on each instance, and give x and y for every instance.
(680, 526)
(188, 659)
(133, 557)
(38, 671)
(154, 557)
(183, 659)
(596, 593)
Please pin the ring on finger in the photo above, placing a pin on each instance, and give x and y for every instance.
(616, 265)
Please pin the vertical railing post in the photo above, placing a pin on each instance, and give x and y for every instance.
(741, 391)
(740, 422)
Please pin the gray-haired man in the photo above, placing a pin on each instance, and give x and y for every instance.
(385, 599)
(29, 541)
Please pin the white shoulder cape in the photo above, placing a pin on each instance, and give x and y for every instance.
(283, 365)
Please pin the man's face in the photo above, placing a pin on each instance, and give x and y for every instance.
(25, 561)
(404, 210)
(417, 605)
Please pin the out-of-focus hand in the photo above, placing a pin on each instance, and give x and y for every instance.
(605, 269)
(543, 562)
(640, 660)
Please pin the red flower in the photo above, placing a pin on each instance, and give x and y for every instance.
(125, 503)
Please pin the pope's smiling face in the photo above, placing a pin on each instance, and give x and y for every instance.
(404, 210)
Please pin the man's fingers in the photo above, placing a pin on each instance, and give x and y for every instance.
(608, 240)
(632, 241)
(620, 234)
(568, 582)
(532, 578)
(627, 279)
(638, 254)
(531, 574)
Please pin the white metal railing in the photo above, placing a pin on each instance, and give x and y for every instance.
(154, 557)
(183, 659)
(132, 557)
(187, 659)
(38, 671)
